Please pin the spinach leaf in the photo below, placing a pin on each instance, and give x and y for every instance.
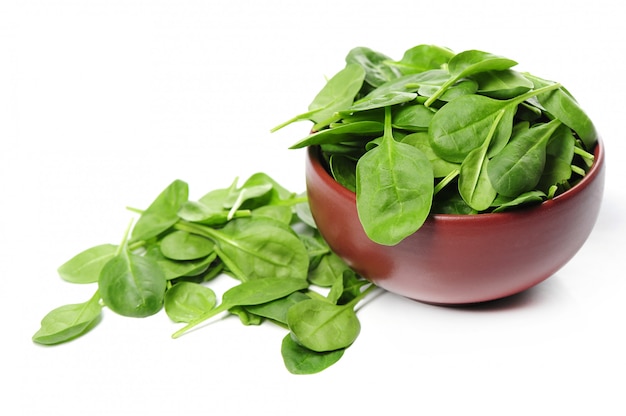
(162, 213)
(253, 292)
(186, 301)
(337, 94)
(441, 167)
(301, 360)
(474, 185)
(276, 310)
(181, 245)
(85, 266)
(468, 63)
(422, 58)
(394, 189)
(341, 133)
(519, 166)
(503, 84)
(564, 107)
(69, 321)
(463, 124)
(559, 155)
(132, 285)
(321, 326)
(254, 248)
(377, 72)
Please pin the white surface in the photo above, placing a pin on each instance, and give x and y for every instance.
(104, 103)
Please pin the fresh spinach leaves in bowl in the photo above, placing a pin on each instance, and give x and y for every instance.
(444, 132)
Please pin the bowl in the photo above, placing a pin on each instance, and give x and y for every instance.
(460, 259)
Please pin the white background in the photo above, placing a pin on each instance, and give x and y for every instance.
(104, 103)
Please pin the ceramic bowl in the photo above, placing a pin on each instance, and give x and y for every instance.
(460, 259)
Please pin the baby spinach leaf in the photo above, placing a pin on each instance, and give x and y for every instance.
(422, 58)
(519, 166)
(394, 189)
(380, 101)
(463, 124)
(559, 155)
(522, 199)
(441, 167)
(474, 185)
(346, 288)
(415, 117)
(186, 301)
(162, 213)
(322, 326)
(468, 63)
(337, 94)
(377, 72)
(253, 292)
(343, 170)
(254, 248)
(276, 310)
(502, 84)
(341, 133)
(181, 245)
(280, 213)
(173, 269)
(132, 285)
(69, 321)
(564, 107)
(85, 267)
(328, 270)
(301, 360)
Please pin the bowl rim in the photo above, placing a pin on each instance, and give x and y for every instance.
(313, 153)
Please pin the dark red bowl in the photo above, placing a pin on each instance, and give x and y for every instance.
(459, 259)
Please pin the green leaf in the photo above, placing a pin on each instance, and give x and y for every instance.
(380, 101)
(441, 167)
(469, 63)
(301, 360)
(181, 245)
(462, 125)
(162, 213)
(377, 72)
(341, 133)
(502, 84)
(259, 247)
(276, 310)
(186, 301)
(253, 292)
(337, 94)
(322, 326)
(519, 166)
(474, 185)
(422, 58)
(394, 190)
(564, 107)
(85, 267)
(132, 285)
(69, 321)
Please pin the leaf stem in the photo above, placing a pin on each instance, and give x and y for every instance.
(361, 296)
(442, 183)
(213, 312)
(124, 241)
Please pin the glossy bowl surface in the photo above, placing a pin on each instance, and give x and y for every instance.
(460, 259)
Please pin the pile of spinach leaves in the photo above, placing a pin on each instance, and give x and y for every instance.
(441, 132)
(260, 234)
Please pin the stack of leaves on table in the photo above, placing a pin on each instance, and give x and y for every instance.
(439, 132)
(260, 234)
